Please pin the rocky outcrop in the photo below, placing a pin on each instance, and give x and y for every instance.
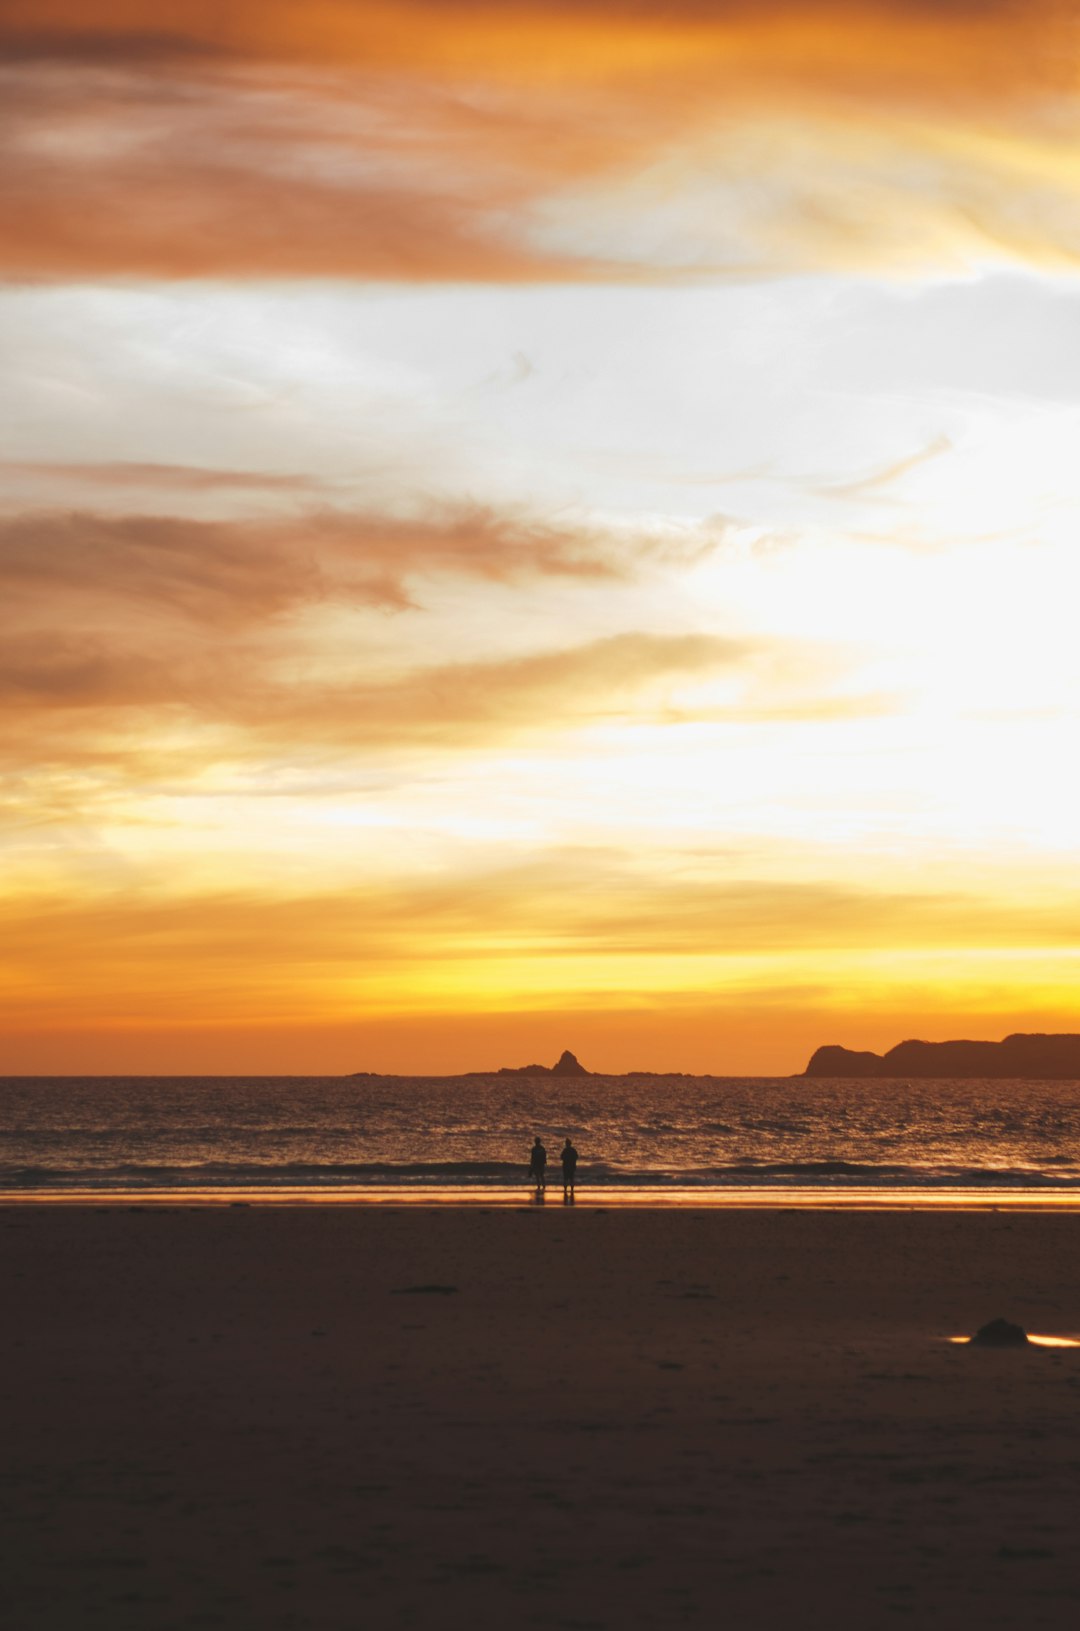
(568, 1065)
(1000, 1334)
(1035, 1057)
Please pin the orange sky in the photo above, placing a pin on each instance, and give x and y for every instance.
(535, 526)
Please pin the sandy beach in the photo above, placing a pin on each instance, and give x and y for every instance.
(251, 1417)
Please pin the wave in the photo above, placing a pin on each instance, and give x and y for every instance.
(256, 1172)
(462, 1174)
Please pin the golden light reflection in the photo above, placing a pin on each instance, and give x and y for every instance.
(615, 1196)
(1039, 1341)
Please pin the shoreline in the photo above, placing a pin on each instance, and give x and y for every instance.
(674, 1199)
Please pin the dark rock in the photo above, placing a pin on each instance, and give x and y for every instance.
(1000, 1334)
(568, 1066)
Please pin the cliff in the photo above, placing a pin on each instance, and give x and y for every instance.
(835, 1061)
(1035, 1056)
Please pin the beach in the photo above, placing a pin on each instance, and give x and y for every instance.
(325, 1416)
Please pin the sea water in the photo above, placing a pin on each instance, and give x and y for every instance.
(656, 1137)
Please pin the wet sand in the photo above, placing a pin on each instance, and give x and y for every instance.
(244, 1417)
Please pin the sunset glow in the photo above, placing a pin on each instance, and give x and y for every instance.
(536, 525)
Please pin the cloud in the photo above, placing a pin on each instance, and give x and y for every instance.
(150, 646)
(154, 646)
(516, 142)
(538, 38)
(240, 573)
(46, 686)
(891, 473)
(115, 952)
(110, 45)
(464, 704)
(183, 478)
(68, 671)
(135, 173)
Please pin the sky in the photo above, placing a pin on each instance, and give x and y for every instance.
(533, 525)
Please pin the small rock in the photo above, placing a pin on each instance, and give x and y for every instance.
(568, 1065)
(1000, 1334)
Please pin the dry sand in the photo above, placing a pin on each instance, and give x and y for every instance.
(238, 1417)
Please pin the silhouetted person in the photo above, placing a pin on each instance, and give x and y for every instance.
(538, 1163)
(569, 1168)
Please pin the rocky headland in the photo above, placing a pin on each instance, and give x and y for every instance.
(1035, 1056)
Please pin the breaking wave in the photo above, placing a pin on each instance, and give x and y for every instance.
(313, 1175)
(418, 1135)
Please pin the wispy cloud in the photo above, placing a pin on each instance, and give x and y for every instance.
(69, 690)
(115, 954)
(892, 473)
(173, 478)
(123, 633)
(469, 702)
(243, 572)
(456, 141)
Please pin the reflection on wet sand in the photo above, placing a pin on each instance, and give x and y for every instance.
(759, 1198)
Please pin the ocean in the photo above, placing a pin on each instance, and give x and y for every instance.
(657, 1139)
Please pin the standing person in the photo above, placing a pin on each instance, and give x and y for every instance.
(538, 1163)
(569, 1168)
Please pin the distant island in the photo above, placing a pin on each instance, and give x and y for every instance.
(567, 1064)
(1037, 1057)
